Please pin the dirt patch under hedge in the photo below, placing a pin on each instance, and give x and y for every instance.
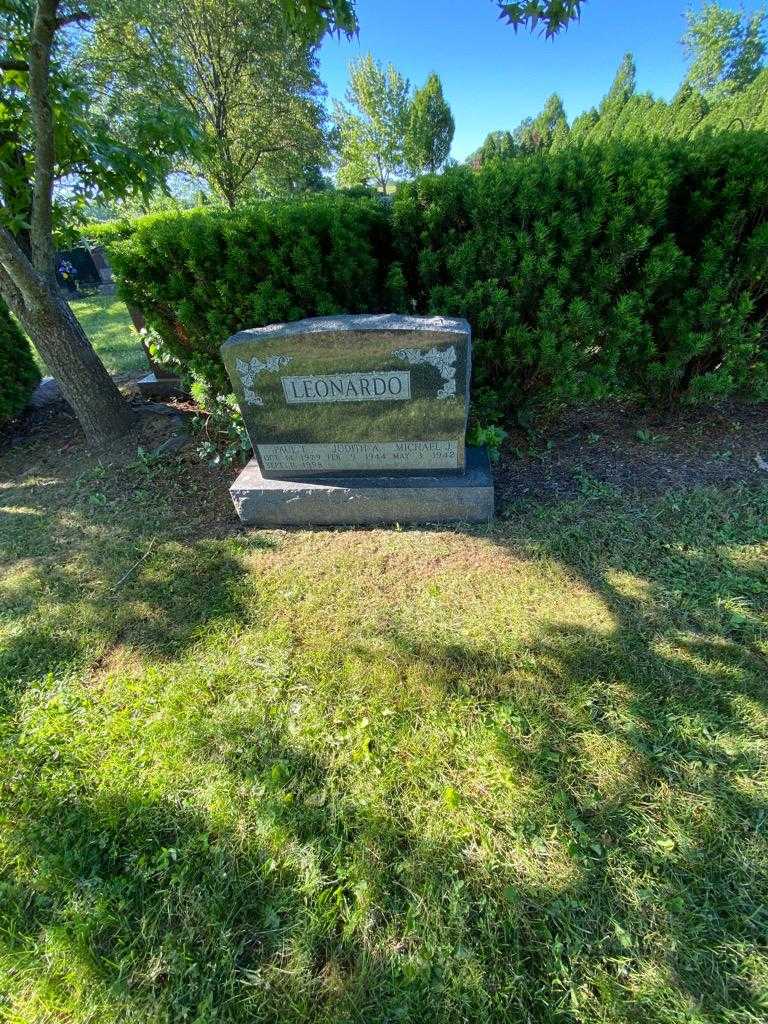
(610, 445)
(605, 446)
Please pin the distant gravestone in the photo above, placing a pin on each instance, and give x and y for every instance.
(357, 419)
(104, 270)
(83, 263)
(160, 382)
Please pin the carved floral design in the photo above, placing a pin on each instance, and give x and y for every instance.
(442, 359)
(249, 371)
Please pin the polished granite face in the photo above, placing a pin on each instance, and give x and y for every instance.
(354, 394)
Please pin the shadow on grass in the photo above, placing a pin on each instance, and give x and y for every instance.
(108, 560)
(157, 613)
(172, 918)
(669, 841)
(645, 822)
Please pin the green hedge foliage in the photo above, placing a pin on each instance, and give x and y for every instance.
(620, 269)
(198, 276)
(18, 371)
(631, 269)
(110, 231)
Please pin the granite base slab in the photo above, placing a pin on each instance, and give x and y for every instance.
(367, 500)
(153, 386)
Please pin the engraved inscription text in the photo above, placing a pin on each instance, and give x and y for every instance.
(343, 457)
(375, 386)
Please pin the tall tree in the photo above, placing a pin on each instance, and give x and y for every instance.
(497, 145)
(372, 126)
(430, 128)
(611, 108)
(622, 87)
(49, 133)
(535, 133)
(726, 48)
(55, 149)
(246, 77)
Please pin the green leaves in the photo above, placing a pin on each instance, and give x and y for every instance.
(430, 128)
(550, 16)
(384, 132)
(597, 271)
(316, 17)
(238, 75)
(18, 372)
(451, 798)
(726, 48)
(100, 149)
(372, 128)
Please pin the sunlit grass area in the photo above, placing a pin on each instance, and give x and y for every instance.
(515, 773)
(106, 322)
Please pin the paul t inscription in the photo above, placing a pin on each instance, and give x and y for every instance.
(384, 386)
(339, 395)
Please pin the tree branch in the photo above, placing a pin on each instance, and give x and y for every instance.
(22, 286)
(14, 65)
(70, 19)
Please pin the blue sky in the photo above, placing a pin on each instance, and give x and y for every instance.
(494, 78)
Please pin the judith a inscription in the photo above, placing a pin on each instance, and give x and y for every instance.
(361, 457)
(375, 386)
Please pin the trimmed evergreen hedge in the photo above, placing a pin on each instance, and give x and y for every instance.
(638, 270)
(200, 275)
(18, 372)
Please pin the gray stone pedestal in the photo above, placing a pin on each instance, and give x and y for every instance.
(367, 500)
(153, 386)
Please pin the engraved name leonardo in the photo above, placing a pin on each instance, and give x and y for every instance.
(375, 386)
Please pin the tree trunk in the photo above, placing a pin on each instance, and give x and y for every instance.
(29, 286)
(102, 411)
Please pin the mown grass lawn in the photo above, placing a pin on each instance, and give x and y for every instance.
(106, 322)
(506, 774)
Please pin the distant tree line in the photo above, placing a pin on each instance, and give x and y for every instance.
(385, 131)
(103, 101)
(726, 88)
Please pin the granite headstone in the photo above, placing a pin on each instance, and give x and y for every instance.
(356, 419)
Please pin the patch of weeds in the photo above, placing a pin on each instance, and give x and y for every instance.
(646, 437)
(491, 438)
(223, 439)
(541, 451)
(148, 462)
(593, 489)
